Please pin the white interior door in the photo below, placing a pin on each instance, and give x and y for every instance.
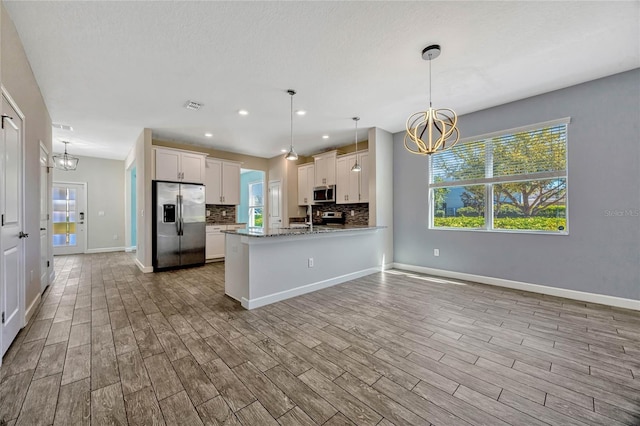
(69, 217)
(275, 204)
(44, 218)
(12, 235)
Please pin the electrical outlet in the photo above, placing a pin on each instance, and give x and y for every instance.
(208, 213)
(224, 213)
(436, 252)
(318, 213)
(311, 262)
(353, 212)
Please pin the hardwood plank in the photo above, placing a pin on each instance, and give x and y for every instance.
(339, 420)
(26, 357)
(384, 368)
(384, 405)
(360, 371)
(107, 406)
(133, 373)
(320, 364)
(199, 349)
(313, 405)
(39, 405)
(420, 406)
(148, 343)
(499, 410)
(77, 365)
(51, 360)
(74, 404)
(531, 393)
(450, 403)
(216, 412)
(124, 340)
(164, 379)
(327, 338)
(616, 413)
(178, 410)
(143, 408)
(13, 390)
(256, 414)
(253, 353)
(104, 367)
(39, 330)
(350, 406)
(173, 346)
(272, 398)
(195, 381)
(80, 335)
(291, 362)
(541, 413)
(296, 417)
(229, 354)
(589, 417)
(234, 392)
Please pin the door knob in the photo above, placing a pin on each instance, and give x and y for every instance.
(23, 235)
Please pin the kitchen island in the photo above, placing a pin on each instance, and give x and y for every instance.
(263, 268)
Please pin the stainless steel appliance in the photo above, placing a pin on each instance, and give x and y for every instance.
(178, 225)
(333, 218)
(324, 194)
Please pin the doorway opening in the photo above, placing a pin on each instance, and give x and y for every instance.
(69, 200)
(251, 208)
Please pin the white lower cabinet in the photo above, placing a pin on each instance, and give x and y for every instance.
(215, 241)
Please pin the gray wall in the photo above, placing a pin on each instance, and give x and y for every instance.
(601, 254)
(105, 193)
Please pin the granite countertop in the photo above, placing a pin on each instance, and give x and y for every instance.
(283, 232)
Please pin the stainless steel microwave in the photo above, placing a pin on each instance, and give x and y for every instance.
(324, 194)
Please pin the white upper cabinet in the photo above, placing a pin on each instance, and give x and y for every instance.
(177, 165)
(306, 182)
(325, 168)
(352, 187)
(222, 180)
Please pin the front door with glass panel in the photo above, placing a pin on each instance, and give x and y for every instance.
(69, 215)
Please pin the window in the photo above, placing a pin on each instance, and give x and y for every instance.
(514, 180)
(256, 204)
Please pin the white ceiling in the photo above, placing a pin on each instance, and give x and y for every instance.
(110, 69)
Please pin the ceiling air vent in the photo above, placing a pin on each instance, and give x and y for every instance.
(62, 127)
(193, 105)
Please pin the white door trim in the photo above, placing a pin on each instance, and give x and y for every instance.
(48, 226)
(22, 284)
(86, 206)
(270, 207)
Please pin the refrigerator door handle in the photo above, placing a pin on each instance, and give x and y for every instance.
(181, 216)
(178, 215)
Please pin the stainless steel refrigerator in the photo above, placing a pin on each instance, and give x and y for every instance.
(179, 233)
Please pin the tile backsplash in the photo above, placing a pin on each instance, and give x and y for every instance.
(360, 211)
(216, 214)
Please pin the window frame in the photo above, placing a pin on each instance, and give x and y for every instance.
(488, 180)
(252, 207)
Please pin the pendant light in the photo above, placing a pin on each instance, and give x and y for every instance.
(433, 130)
(356, 167)
(291, 155)
(65, 161)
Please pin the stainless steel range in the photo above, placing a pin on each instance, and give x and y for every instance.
(333, 218)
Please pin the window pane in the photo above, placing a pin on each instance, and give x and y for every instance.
(459, 207)
(462, 162)
(255, 194)
(536, 205)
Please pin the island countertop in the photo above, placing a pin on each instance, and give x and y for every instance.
(286, 232)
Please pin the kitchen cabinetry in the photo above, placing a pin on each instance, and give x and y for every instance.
(325, 168)
(215, 240)
(222, 179)
(177, 165)
(306, 182)
(352, 187)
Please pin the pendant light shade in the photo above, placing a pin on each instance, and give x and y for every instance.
(356, 167)
(65, 161)
(433, 130)
(291, 155)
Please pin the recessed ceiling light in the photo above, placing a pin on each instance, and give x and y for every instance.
(243, 112)
(193, 105)
(325, 136)
(209, 135)
(301, 112)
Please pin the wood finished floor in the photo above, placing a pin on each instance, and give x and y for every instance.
(110, 345)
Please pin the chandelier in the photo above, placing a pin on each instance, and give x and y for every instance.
(291, 155)
(432, 130)
(65, 161)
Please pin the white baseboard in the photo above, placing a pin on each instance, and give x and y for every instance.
(308, 288)
(31, 309)
(130, 249)
(104, 250)
(144, 269)
(582, 296)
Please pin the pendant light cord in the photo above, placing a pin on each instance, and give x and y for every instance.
(430, 105)
(291, 147)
